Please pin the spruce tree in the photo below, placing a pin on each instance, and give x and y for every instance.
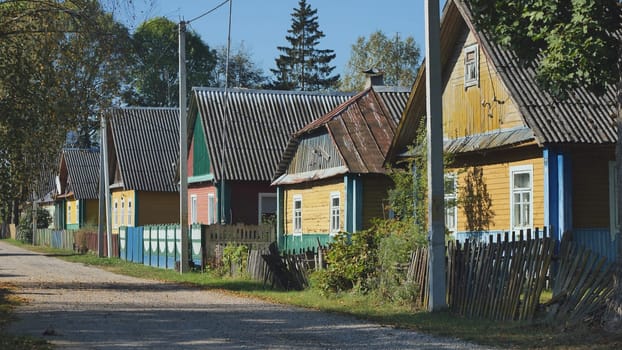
(302, 66)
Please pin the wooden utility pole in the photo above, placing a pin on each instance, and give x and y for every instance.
(183, 152)
(436, 223)
(106, 179)
(101, 226)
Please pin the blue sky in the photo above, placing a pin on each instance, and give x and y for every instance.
(261, 25)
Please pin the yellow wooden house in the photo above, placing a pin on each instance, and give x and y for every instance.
(77, 200)
(143, 148)
(545, 163)
(331, 177)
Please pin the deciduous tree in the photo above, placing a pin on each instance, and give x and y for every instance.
(153, 80)
(397, 58)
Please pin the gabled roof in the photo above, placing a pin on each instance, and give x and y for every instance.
(81, 167)
(146, 147)
(361, 129)
(582, 118)
(44, 187)
(247, 135)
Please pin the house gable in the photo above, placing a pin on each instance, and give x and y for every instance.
(199, 165)
(484, 106)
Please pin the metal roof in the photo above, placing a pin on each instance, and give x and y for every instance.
(582, 118)
(362, 129)
(492, 140)
(146, 146)
(247, 135)
(82, 173)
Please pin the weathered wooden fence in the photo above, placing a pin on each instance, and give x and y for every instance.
(504, 278)
(582, 283)
(255, 237)
(78, 240)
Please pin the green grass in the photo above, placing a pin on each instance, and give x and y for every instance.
(500, 334)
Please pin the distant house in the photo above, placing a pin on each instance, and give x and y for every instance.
(237, 138)
(78, 189)
(331, 177)
(545, 162)
(143, 148)
(44, 191)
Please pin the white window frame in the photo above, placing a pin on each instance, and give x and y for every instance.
(613, 203)
(453, 197)
(130, 213)
(69, 213)
(297, 215)
(334, 213)
(193, 209)
(471, 66)
(211, 206)
(115, 212)
(77, 218)
(515, 170)
(262, 195)
(122, 211)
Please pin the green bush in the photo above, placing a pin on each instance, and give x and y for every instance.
(24, 228)
(234, 256)
(373, 261)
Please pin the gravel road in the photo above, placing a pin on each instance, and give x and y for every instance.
(79, 307)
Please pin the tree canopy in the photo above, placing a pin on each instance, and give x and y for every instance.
(153, 78)
(302, 66)
(575, 41)
(243, 72)
(397, 58)
(60, 63)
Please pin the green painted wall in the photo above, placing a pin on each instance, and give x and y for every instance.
(298, 243)
(200, 156)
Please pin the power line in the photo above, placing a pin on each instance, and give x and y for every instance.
(208, 12)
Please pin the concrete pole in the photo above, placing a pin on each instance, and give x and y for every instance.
(183, 151)
(106, 179)
(436, 223)
(101, 226)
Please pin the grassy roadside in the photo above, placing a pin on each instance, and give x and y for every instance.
(499, 334)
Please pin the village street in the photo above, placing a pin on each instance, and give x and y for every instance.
(79, 307)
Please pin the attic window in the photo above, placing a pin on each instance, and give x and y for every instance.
(471, 66)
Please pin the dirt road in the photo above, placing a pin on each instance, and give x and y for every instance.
(80, 307)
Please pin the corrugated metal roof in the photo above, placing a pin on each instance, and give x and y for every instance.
(246, 140)
(362, 129)
(146, 146)
(82, 173)
(502, 138)
(582, 118)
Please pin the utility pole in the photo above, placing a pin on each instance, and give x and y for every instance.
(436, 228)
(106, 179)
(183, 151)
(102, 200)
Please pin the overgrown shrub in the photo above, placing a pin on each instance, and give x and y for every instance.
(24, 229)
(351, 260)
(234, 256)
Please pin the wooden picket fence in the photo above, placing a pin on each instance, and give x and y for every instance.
(503, 279)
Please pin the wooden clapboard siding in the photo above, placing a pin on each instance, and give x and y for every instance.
(477, 109)
(202, 194)
(120, 216)
(315, 204)
(590, 188)
(496, 171)
(157, 208)
(72, 212)
(375, 189)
